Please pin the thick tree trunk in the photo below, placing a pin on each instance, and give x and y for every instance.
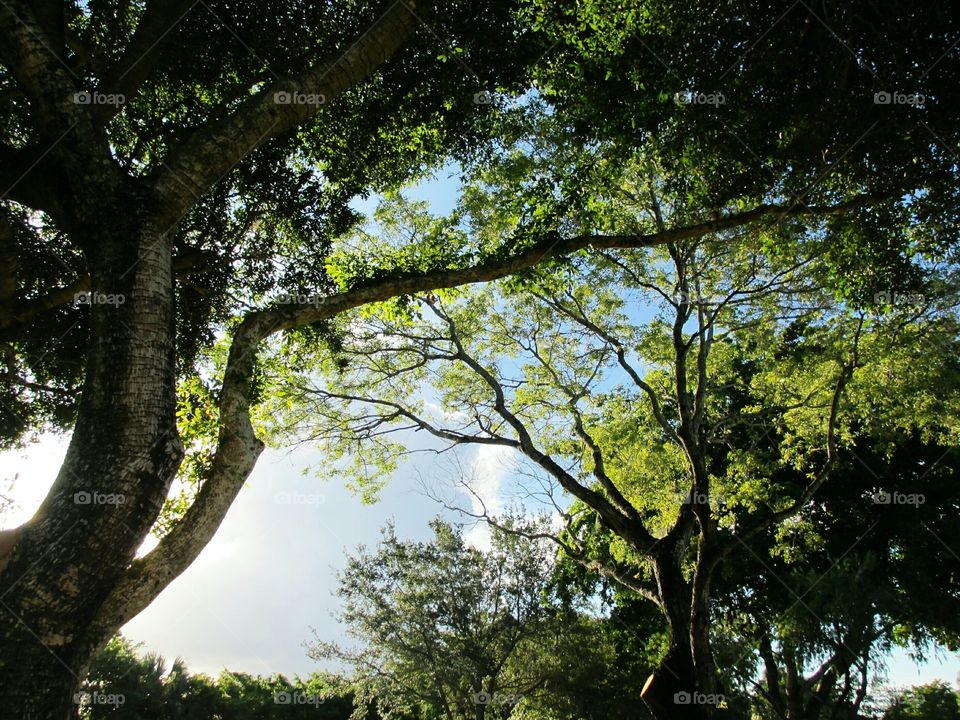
(122, 457)
(38, 686)
(676, 690)
(671, 692)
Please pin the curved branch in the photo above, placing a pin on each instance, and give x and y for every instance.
(574, 552)
(238, 448)
(599, 469)
(455, 438)
(210, 153)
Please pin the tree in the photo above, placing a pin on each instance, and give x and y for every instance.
(804, 615)
(935, 701)
(630, 633)
(124, 684)
(448, 630)
(146, 201)
(821, 601)
(646, 421)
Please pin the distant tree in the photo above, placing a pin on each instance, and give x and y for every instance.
(822, 601)
(934, 701)
(602, 659)
(191, 696)
(125, 684)
(448, 630)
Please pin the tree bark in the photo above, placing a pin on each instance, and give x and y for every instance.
(37, 687)
(685, 685)
(671, 692)
(121, 460)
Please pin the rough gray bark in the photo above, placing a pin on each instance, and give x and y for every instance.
(121, 459)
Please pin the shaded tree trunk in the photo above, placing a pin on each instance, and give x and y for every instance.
(119, 465)
(677, 689)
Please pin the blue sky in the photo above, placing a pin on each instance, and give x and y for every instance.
(250, 600)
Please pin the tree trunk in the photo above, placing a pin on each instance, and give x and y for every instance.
(671, 692)
(122, 457)
(37, 686)
(676, 691)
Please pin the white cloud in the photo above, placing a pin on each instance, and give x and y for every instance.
(489, 469)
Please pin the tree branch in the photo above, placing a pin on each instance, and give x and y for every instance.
(580, 317)
(624, 525)
(238, 448)
(211, 152)
(29, 54)
(142, 54)
(773, 694)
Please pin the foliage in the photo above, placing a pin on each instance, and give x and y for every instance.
(126, 685)
(447, 630)
(746, 101)
(935, 701)
(266, 226)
